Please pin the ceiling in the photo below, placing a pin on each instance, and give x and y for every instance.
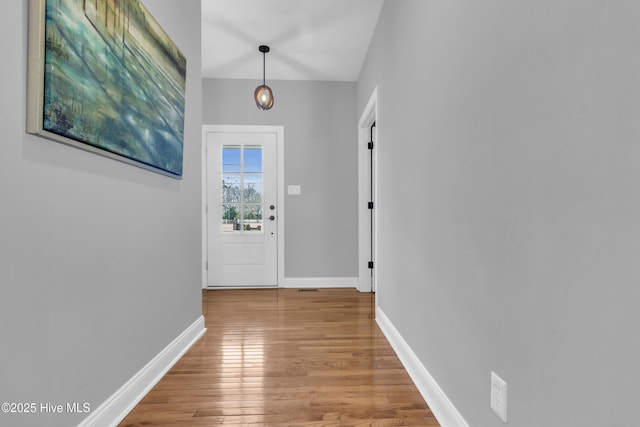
(309, 39)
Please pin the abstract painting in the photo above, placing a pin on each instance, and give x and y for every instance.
(104, 76)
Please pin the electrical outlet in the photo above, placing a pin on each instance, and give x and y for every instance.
(499, 396)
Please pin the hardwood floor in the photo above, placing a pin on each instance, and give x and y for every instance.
(283, 357)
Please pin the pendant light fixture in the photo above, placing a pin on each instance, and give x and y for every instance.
(263, 94)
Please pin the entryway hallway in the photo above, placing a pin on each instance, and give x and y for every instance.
(285, 357)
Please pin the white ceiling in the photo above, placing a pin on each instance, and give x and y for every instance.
(309, 39)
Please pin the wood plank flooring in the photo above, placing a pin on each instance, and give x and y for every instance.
(283, 357)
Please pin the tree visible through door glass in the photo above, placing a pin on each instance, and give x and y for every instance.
(242, 189)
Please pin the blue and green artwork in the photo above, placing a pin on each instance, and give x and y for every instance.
(113, 79)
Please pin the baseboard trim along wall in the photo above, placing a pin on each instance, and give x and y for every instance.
(302, 282)
(444, 411)
(118, 406)
(320, 282)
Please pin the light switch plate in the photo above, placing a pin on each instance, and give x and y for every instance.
(294, 190)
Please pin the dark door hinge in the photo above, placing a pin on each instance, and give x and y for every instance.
(370, 264)
(370, 205)
(370, 145)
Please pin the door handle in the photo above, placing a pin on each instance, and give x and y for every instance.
(272, 217)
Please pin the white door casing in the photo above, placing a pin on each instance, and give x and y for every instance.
(367, 243)
(244, 226)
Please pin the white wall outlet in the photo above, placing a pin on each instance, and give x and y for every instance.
(294, 190)
(499, 396)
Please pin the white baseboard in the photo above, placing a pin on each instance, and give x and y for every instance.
(320, 282)
(118, 406)
(444, 411)
(302, 282)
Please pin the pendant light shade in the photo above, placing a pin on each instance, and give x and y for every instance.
(263, 94)
(264, 97)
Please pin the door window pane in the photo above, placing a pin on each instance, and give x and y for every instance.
(230, 218)
(242, 189)
(252, 218)
(253, 159)
(231, 158)
(231, 184)
(253, 191)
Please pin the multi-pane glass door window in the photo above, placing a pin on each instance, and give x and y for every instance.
(242, 189)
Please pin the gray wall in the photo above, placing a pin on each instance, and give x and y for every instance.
(320, 128)
(511, 130)
(99, 260)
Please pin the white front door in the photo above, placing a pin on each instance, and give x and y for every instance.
(242, 209)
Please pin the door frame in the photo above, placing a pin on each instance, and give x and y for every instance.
(279, 131)
(368, 117)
